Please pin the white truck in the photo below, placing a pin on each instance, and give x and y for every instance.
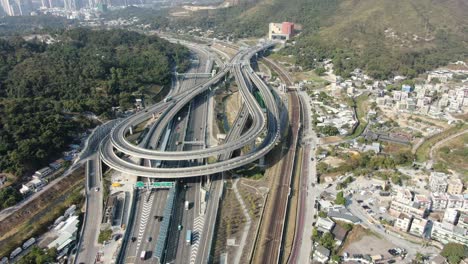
(143, 255)
(188, 237)
(187, 205)
(29, 243)
(15, 253)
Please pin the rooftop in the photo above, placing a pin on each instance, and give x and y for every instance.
(339, 233)
(343, 214)
(322, 251)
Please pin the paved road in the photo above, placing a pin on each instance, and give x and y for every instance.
(89, 246)
(145, 225)
(309, 193)
(112, 160)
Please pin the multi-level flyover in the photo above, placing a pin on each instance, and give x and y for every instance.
(262, 119)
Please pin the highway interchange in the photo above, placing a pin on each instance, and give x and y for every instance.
(176, 149)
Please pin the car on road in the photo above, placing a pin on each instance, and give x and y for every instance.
(179, 227)
(150, 239)
(391, 261)
(96, 189)
(133, 239)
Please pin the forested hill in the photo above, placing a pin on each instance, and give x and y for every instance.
(385, 37)
(42, 86)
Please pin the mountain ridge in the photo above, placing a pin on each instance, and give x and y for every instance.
(385, 37)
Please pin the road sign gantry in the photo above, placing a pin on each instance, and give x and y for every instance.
(153, 185)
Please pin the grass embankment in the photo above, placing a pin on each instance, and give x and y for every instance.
(35, 217)
(362, 106)
(251, 171)
(106, 184)
(454, 155)
(422, 153)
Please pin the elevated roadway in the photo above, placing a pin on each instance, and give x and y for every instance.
(171, 107)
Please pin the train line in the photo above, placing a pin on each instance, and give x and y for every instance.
(272, 249)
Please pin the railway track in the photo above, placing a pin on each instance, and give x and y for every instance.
(272, 249)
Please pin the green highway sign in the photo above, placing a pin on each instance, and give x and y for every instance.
(162, 185)
(139, 184)
(154, 185)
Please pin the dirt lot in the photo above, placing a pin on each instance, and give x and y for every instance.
(329, 140)
(230, 225)
(333, 161)
(361, 241)
(232, 107)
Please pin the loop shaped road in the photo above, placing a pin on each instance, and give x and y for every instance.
(167, 110)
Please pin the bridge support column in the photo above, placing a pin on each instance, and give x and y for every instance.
(261, 162)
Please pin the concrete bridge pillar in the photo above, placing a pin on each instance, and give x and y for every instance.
(261, 162)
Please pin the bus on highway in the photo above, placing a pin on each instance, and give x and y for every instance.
(188, 237)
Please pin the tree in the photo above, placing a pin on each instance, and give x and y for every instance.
(320, 71)
(39, 256)
(9, 197)
(327, 241)
(418, 259)
(454, 252)
(340, 198)
(322, 214)
(396, 179)
(315, 234)
(329, 130)
(104, 235)
(322, 167)
(44, 87)
(335, 258)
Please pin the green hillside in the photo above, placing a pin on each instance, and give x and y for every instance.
(385, 37)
